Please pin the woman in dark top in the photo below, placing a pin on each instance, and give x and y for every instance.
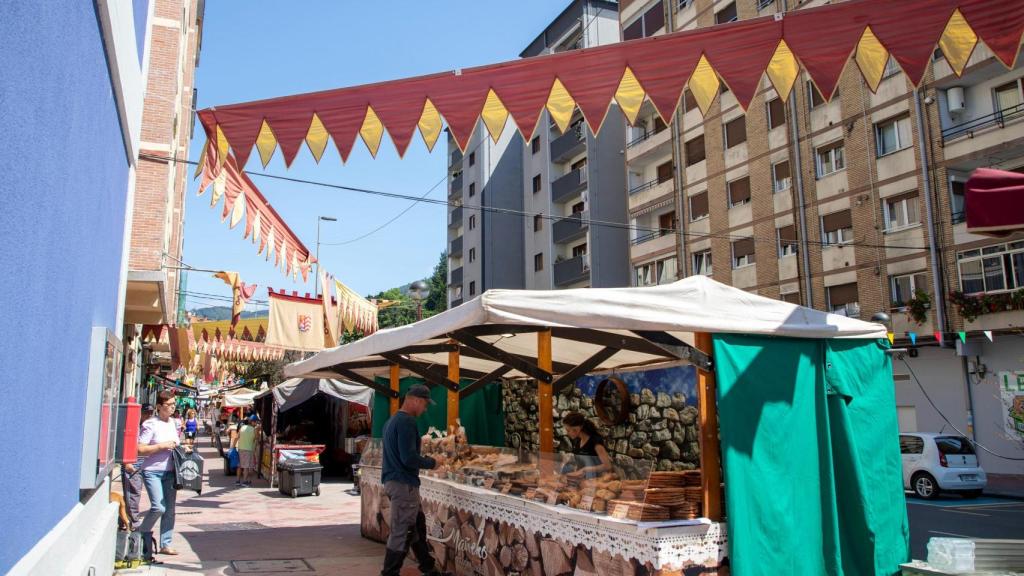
(588, 446)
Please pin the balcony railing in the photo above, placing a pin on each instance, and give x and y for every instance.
(456, 185)
(648, 236)
(645, 186)
(571, 271)
(456, 247)
(455, 217)
(571, 184)
(999, 117)
(456, 277)
(645, 136)
(569, 144)
(569, 228)
(454, 158)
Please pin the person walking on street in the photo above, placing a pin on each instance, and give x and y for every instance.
(191, 426)
(157, 439)
(400, 474)
(246, 446)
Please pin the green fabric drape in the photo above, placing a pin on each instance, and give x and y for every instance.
(810, 454)
(480, 413)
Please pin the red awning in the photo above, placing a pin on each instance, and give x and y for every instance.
(995, 202)
(821, 40)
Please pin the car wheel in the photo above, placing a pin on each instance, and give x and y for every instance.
(971, 494)
(925, 486)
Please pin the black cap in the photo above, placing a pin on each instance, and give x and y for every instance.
(420, 391)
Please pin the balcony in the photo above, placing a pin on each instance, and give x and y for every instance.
(455, 217)
(456, 302)
(569, 228)
(455, 159)
(653, 243)
(456, 185)
(647, 145)
(456, 277)
(456, 247)
(569, 144)
(569, 186)
(571, 271)
(998, 118)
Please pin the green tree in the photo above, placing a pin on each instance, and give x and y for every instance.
(438, 282)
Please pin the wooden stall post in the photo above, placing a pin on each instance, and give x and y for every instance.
(393, 403)
(544, 393)
(453, 395)
(710, 448)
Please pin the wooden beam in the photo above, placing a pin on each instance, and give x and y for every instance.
(677, 347)
(484, 380)
(570, 377)
(393, 375)
(557, 367)
(621, 341)
(439, 348)
(544, 395)
(358, 364)
(499, 329)
(499, 355)
(360, 379)
(453, 395)
(710, 449)
(427, 372)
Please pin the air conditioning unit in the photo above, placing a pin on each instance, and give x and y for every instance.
(955, 99)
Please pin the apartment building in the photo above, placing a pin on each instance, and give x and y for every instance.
(564, 181)
(853, 205)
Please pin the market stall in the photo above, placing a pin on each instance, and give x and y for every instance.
(313, 417)
(768, 374)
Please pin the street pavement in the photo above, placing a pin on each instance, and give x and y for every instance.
(954, 517)
(232, 530)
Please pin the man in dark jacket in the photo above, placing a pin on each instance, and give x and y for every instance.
(401, 468)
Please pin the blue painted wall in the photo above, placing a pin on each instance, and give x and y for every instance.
(63, 188)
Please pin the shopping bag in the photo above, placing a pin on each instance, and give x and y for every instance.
(188, 470)
(233, 458)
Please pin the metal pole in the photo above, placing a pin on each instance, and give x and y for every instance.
(940, 304)
(798, 172)
(316, 277)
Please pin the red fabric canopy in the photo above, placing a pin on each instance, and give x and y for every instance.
(995, 202)
(821, 40)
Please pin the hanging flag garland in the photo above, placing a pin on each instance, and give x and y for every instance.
(241, 292)
(357, 313)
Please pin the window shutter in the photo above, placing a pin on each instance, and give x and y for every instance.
(743, 247)
(739, 190)
(842, 294)
(787, 234)
(782, 170)
(837, 221)
(695, 150)
(654, 19)
(698, 205)
(665, 172)
(736, 132)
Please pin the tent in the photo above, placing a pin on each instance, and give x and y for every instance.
(242, 399)
(994, 201)
(291, 393)
(770, 374)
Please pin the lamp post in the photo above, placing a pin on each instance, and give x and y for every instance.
(419, 291)
(316, 280)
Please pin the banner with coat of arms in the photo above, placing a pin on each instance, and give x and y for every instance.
(295, 322)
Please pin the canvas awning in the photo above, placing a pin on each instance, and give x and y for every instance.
(240, 399)
(291, 393)
(821, 40)
(995, 202)
(593, 328)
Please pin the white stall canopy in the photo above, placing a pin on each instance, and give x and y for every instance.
(291, 393)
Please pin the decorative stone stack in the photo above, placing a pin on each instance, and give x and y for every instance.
(661, 429)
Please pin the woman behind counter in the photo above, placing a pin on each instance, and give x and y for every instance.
(588, 446)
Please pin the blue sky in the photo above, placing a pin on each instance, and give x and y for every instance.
(263, 49)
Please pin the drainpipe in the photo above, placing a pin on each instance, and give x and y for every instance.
(940, 301)
(682, 214)
(801, 204)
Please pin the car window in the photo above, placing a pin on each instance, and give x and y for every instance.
(911, 445)
(954, 445)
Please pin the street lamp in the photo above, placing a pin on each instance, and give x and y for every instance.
(419, 291)
(316, 281)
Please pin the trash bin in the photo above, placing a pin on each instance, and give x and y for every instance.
(299, 477)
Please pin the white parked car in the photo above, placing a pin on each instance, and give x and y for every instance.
(934, 463)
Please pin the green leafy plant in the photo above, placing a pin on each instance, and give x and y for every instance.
(974, 305)
(917, 307)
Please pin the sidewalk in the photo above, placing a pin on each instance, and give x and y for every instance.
(1005, 486)
(226, 528)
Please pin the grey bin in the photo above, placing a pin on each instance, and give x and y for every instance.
(299, 478)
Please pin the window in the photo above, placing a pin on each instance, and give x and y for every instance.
(472, 254)
(646, 25)
(837, 228)
(735, 132)
(667, 270)
(702, 263)
(689, 102)
(954, 445)
(843, 300)
(535, 145)
(456, 292)
(579, 251)
(776, 113)
(644, 274)
(900, 211)
(787, 240)
(695, 150)
(993, 268)
(579, 164)
(472, 158)
(792, 298)
(902, 287)
(472, 189)
(538, 262)
(667, 223)
(578, 207)
(739, 192)
(472, 221)
(781, 179)
(742, 252)
(892, 135)
(813, 96)
(829, 159)
(472, 288)
(911, 445)
(957, 205)
(536, 183)
(665, 172)
(538, 222)
(1008, 99)
(727, 14)
(892, 68)
(698, 206)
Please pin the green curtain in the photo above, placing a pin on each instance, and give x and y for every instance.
(481, 412)
(810, 454)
